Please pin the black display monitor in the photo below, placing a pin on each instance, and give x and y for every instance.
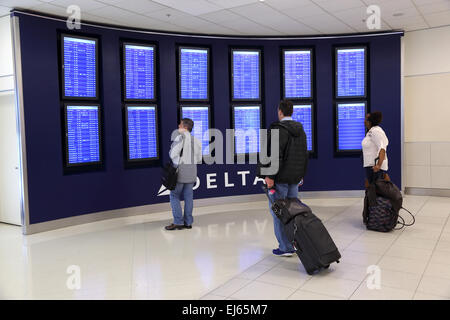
(304, 114)
(247, 122)
(246, 74)
(139, 69)
(141, 125)
(200, 114)
(82, 134)
(350, 129)
(297, 73)
(79, 76)
(193, 73)
(351, 72)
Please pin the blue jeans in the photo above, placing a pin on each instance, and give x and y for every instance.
(283, 190)
(185, 189)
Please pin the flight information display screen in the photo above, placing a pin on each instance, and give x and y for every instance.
(247, 122)
(351, 72)
(303, 114)
(200, 116)
(350, 126)
(139, 72)
(142, 132)
(194, 74)
(246, 74)
(297, 74)
(79, 67)
(83, 134)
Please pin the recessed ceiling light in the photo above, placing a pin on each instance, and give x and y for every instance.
(398, 14)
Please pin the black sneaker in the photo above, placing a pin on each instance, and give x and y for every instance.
(174, 227)
(187, 227)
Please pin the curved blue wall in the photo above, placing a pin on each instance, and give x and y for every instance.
(54, 195)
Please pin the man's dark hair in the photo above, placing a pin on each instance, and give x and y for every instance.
(287, 107)
(188, 124)
(375, 118)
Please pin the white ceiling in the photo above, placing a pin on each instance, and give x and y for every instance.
(249, 17)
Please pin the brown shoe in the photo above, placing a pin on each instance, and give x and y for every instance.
(174, 227)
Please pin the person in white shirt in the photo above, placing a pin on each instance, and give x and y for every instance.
(374, 147)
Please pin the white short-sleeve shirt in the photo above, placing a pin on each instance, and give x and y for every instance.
(374, 141)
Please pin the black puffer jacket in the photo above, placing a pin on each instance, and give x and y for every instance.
(293, 155)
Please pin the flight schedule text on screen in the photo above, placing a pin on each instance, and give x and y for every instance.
(297, 74)
(247, 122)
(246, 75)
(200, 116)
(351, 72)
(142, 132)
(351, 130)
(303, 114)
(194, 74)
(83, 140)
(139, 72)
(80, 67)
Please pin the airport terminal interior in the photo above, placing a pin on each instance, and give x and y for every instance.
(92, 90)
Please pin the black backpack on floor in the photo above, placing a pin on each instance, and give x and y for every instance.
(382, 204)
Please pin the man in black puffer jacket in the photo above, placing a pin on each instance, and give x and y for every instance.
(293, 155)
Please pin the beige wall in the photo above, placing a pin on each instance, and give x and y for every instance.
(9, 142)
(6, 60)
(427, 108)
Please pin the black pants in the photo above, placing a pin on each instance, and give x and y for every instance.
(373, 176)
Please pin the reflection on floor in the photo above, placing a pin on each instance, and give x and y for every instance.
(227, 255)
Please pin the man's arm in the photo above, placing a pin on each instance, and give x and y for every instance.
(282, 144)
(175, 149)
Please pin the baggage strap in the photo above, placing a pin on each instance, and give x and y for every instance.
(266, 192)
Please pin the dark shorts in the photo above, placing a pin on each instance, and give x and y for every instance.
(371, 176)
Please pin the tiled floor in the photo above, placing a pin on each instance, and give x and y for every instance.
(414, 263)
(227, 255)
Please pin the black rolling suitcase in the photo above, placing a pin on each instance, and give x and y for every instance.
(311, 240)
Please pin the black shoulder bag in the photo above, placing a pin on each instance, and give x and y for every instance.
(170, 174)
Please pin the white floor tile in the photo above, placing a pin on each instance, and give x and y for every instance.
(360, 258)
(230, 287)
(335, 287)
(371, 246)
(400, 280)
(416, 233)
(440, 221)
(385, 293)
(441, 257)
(254, 272)
(399, 251)
(435, 286)
(271, 261)
(305, 295)
(263, 291)
(344, 271)
(212, 297)
(416, 243)
(403, 265)
(424, 296)
(443, 246)
(284, 277)
(438, 270)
